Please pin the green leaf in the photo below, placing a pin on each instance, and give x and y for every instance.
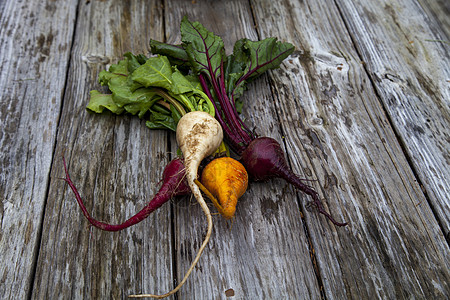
(119, 70)
(141, 101)
(99, 102)
(181, 84)
(137, 86)
(204, 49)
(264, 55)
(234, 69)
(156, 72)
(176, 116)
(161, 121)
(239, 104)
(252, 58)
(134, 61)
(118, 81)
(122, 89)
(176, 53)
(233, 86)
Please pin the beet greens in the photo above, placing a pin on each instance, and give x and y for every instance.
(223, 79)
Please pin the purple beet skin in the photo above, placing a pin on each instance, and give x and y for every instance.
(174, 184)
(264, 159)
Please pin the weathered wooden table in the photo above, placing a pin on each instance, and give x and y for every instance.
(362, 107)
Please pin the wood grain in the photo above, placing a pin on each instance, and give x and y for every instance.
(409, 66)
(337, 130)
(116, 162)
(437, 12)
(361, 108)
(34, 57)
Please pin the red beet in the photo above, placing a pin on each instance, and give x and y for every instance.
(264, 159)
(174, 184)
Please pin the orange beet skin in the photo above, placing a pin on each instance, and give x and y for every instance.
(227, 180)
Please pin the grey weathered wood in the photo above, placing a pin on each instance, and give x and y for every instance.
(116, 163)
(34, 52)
(438, 12)
(361, 106)
(410, 67)
(336, 129)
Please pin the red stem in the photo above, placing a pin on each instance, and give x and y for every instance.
(230, 110)
(231, 136)
(166, 192)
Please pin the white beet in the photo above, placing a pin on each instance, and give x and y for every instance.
(198, 136)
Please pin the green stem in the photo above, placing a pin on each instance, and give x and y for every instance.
(187, 102)
(171, 100)
(212, 110)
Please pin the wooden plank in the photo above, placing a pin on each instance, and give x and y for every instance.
(336, 130)
(438, 12)
(322, 102)
(34, 51)
(264, 253)
(116, 163)
(410, 70)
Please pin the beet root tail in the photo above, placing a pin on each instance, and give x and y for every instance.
(316, 202)
(264, 159)
(174, 184)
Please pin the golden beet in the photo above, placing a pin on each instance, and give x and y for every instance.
(226, 179)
